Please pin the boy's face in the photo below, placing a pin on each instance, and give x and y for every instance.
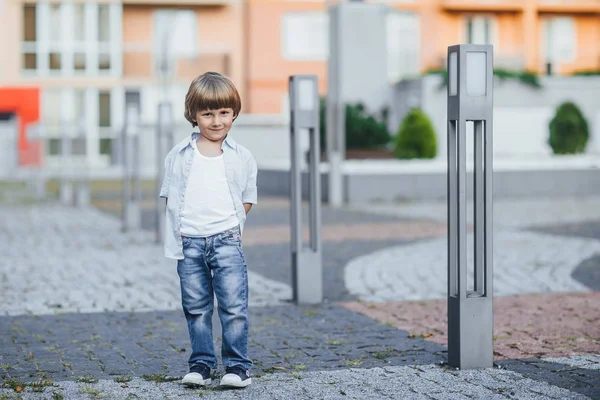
(215, 124)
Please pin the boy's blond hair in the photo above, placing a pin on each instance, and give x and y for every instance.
(211, 91)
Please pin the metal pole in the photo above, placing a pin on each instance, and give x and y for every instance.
(131, 184)
(307, 268)
(66, 184)
(470, 313)
(83, 190)
(335, 114)
(164, 142)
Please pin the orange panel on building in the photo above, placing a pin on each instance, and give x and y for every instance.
(25, 103)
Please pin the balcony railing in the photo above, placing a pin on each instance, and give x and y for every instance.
(481, 5)
(211, 3)
(575, 6)
(139, 62)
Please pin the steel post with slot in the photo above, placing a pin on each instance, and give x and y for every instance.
(35, 132)
(83, 189)
(131, 169)
(164, 143)
(66, 164)
(307, 268)
(470, 312)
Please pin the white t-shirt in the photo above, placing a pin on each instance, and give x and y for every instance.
(208, 207)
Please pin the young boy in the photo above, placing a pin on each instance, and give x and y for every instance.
(210, 186)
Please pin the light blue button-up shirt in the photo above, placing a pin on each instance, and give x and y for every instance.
(241, 170)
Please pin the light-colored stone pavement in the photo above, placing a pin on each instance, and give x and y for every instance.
(508, 213)
(524, 262)
(65, 259)
(403, 382)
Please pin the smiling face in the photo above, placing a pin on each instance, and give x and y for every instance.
(215, 124)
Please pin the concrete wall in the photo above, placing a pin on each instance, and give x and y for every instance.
(394, 180)
(521, 114)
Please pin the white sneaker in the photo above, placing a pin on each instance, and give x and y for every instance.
(199, 377)
(236, 377)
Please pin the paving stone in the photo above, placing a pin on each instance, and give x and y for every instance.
(535, 263)
(91, 266)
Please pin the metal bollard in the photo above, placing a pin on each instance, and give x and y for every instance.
(307, 265)
(470, 312)
(132, 217)
(66, 155)
(164, 143)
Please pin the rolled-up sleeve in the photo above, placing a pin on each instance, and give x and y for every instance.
(164, 189)
(250, 194)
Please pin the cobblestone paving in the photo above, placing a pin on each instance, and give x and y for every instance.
(283, 338)
(300, 352)
(76, 260)
(424, 382)
(524, 262)
(539, 246)
(273, 261)
(571, 323)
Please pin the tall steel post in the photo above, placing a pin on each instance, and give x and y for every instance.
(164, 143)
(66, 161)
(470, 312)
(307, 265)
(132, 218)
(335, 113)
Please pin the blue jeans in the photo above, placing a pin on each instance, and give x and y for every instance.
(215, 263)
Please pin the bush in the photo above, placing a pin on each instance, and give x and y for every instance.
(569, 132)
(363, 131)
(416, 137)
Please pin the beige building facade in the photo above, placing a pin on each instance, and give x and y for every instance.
(88, 58)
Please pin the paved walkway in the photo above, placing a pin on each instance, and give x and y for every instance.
(529, 255)
(90, 312)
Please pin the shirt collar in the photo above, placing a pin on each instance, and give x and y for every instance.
(195, 135)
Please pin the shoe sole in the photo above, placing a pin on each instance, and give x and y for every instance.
(241, 384)
(195, 384)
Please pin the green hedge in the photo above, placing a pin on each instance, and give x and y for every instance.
(569, 131)
(527, 78)
(416, 137)
(363, 131)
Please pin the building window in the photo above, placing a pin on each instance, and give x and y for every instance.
(103, 23)
(104, 109)
(29, 23)
(560, 43)
(29, 58)
(175, 33)
(403, 43)
(305, 36)
(480, 30)
(59, 38)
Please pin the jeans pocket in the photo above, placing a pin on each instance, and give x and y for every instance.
(231, 237)
(186, 241)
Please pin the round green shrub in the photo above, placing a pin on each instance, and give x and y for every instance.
(416, 137)
(363, 131)
(569, 132)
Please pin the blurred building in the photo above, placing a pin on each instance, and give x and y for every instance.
(545, 36)
(83, 60)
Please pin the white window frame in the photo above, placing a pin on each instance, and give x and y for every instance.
(286, 35)
(404, 61)
(551, 36)
(191, 46)
(67, 45)
(493, 27)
